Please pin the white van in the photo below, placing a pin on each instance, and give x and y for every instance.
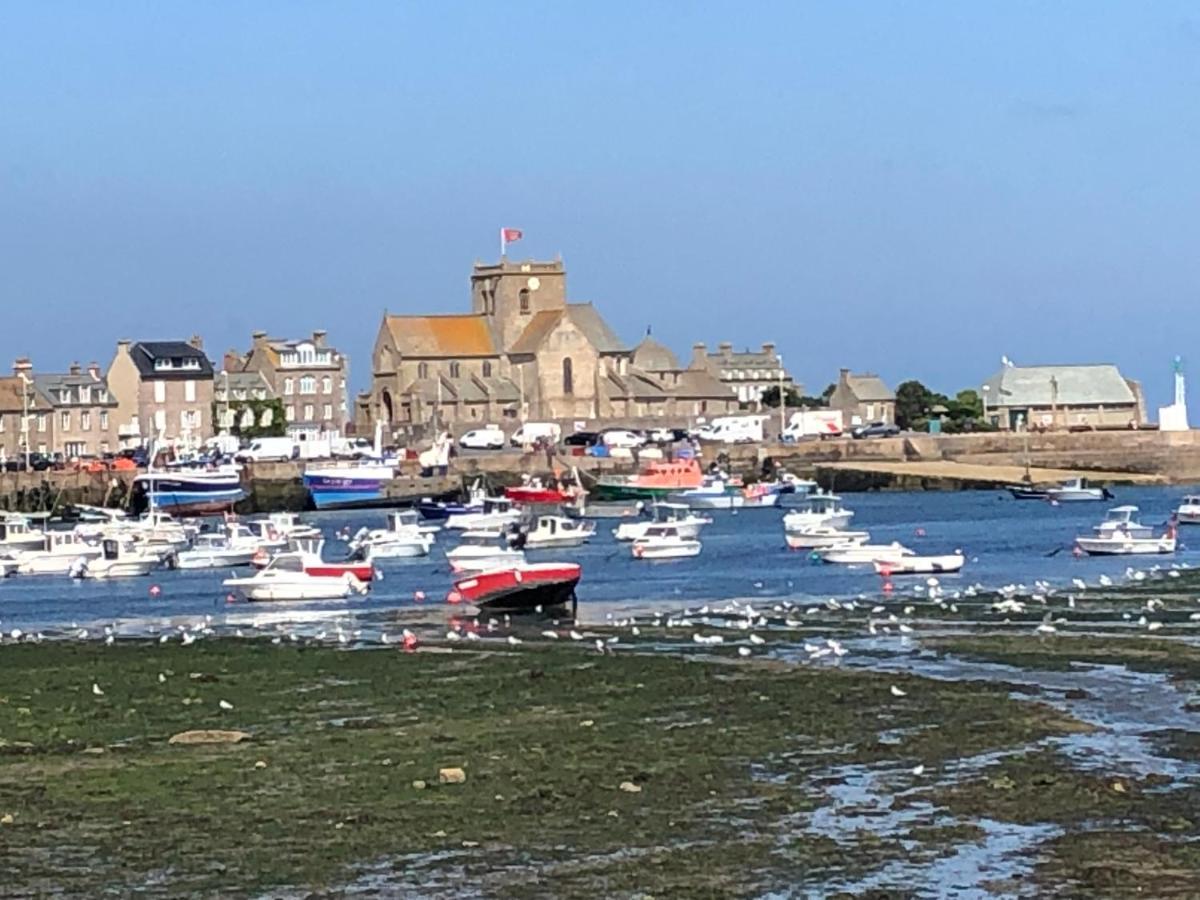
(262, 449)
(734, 430)
(823, 423)
(532, 432)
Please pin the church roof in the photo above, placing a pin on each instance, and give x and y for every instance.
(654, 356)
(468, 390)
(634, 384)
(536, 331)
(582, 315)
(701, 384)
(453, 335)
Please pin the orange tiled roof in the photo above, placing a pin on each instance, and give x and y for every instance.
(458, 335)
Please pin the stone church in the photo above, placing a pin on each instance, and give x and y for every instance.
(524, 353)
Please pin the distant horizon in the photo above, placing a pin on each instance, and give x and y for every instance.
(908, 190)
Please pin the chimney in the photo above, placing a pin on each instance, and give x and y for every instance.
(232, 361)
(843, 376)
(699, 355)
(94, 370)
(22, 365)
(74, 369)
(259, 336)
(725, 348)
(319, 338)
(769, 348)
(123, 345)
(196, 341)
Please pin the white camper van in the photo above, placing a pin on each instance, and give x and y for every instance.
(532, 432)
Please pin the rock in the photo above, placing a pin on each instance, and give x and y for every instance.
(452, 775)
(586, 723)
(1118, 787)
(260, 764)
(209, 736)
(6, 819)
(1076, 694)
(419, 785)
(630, 788)
(95, 751)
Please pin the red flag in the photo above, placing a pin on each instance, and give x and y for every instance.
(508, 235)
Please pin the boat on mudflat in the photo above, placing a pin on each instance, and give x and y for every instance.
(1121, 534)
(921, 565)
(528, 587)
(195, 492)
(350, 486)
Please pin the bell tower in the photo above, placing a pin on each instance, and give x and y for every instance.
(510, 294)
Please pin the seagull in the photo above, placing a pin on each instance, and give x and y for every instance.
(162, 678)
(514, 640)
(188, 638)
(97, 690)
(553, 635)
(755, 639)
(575, 635)
(225, 704)
(897, 692)
(743, 651)
(918, 770)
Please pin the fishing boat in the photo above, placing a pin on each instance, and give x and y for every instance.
(664, 542)
(497, 512)
(350, 485)
(119, 558)
(534, 491)
(440, 510)
(820, 537)
(403, 538)
(215, 551)
(921, 565)
(186, 491)
(550, 532)
(853, 553)
(1027, 492)
(288, 577)
(677, 515)
(483, 550)
(818, 510)
(17, 534)
(792, 489)
(586, 508)
(1188, 512)
(656, 481)
(526, 587)
(1077, 490)
(1121, 534)
(57, 554)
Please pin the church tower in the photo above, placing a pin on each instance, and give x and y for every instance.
(510, 294)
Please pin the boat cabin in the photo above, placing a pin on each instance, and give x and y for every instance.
(661, 532)
(403, 520)
(1123, 519)
(285, 562)
(823, 503)
(14, 528)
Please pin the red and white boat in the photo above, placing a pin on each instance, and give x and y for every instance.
(310, 553)
(523, 588)
(533, 491)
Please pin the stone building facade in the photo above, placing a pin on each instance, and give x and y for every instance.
(1052, 398)
(863, 399)
(747, 373)
(70, 413)
(164, 392)
(307, 374)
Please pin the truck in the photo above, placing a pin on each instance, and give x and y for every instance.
(822, 423)
(733, 430)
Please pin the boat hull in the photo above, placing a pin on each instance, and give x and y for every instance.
(214, 559)
(676, 550)
(1080, 495)
(1129, 546)
(1026, 493)
(350, 488)
(922, 565)
(521, 588)
(804, 540)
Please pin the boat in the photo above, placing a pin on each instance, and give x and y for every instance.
(721, 492)
(528, 587)
(440, 510)
(852, 553)
(654, 482)
(921, 565)
(497, 512)
(534, 492)
(310, 551)
(819, 537)
(119, 558)
(288, 577)
(818, 509)
(215, 551)
(1027, 492)
(403, 538)
(664, 542)
(1188, 512)
(677, 515)
(1077, 490)
(17, 534)
(350, 485)
(7, 567)
(556, 531)
(192, 491)
(1121, 534)
(585, 508)
(290, 526)
(483, 550)
(57, 554)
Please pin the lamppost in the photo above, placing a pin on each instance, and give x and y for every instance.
(986, 388)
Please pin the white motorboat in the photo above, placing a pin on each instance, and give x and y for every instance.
(820, 537)
(265, 534)
(817, 510)
(286, 578)
(1188, 512)
(1121, 534)
(405, 537)
(497, 512)
(57, 554)
(119, 558)
(288, 524)
(556, 531)
(856, 553)
(7, 567)
(1076, 490)
(664, 542)
(215, 551)
(921, 565)
(17, 534)
(483, 550)
(677, 515)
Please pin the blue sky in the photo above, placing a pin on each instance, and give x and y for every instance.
(912, 188)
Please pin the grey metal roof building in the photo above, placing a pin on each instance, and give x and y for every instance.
(1093, 395)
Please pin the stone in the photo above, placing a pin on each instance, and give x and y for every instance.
(209, 736)
(586, 723)
(260, 764)
(630, 788)
(94, 751)
(452, 775)
(418, 785)
(6, 819)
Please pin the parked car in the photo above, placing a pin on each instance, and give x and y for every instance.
(621, 437)
(581, 439)
(668, 435)
(482, 439)
(876, 429)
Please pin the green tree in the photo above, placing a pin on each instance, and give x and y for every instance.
(770, 397)
(913, 403)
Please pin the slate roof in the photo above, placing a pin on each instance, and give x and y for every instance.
(469, 390)
(583, 316)
(654, 356)
(868, 388)
(450, 335)
(144, 353)
(242, 381)
(51, 386)
(10, 396)
(1088, 385)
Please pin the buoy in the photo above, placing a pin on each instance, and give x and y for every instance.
(155, 590)
(920, 532)
(454, 597)
(418, 596)
(410, 641)
(1076, 552)
(888, 587)
(230, 598)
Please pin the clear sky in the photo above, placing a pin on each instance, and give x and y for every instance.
(914, 188)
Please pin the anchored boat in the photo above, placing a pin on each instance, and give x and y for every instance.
(527, 587)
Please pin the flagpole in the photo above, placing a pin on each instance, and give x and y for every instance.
(502, 244)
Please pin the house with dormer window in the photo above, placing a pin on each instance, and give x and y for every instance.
(307, 374)
(164, 392)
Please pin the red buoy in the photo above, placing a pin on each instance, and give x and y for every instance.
(155, 590)
(419, 596)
